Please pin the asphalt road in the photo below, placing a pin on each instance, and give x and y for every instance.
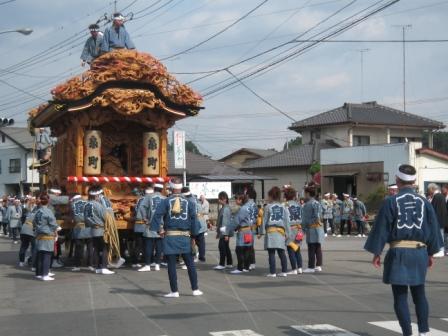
(342, 300)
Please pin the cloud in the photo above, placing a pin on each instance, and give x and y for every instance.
(333, 81)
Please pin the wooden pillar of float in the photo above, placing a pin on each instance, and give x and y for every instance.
(79, 156)
(163, 152)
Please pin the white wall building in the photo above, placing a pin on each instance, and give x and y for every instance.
(16, 156)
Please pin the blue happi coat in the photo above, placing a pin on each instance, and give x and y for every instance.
(14, 215)
(81, 230)
(184, 221)
(141, 213)
(155, 201)
(337, 211)
(28, 226)
(242, 223)
(360, 210)
(405, 216)
(253, 213)
(95, 216)
(276, 215)
(295, 219)
(224, 223)
(312, 214)
(116, 39)
(92, 48)
(347, 209)
(45, 224)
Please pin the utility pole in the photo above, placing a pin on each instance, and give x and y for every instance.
(361, 52)
(115, 6)
(404, 28)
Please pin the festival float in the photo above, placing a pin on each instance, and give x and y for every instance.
(111, 124)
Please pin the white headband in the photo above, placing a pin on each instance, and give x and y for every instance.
(405, 177)
(95, 192)
(327, 194)
(177, 186)
(158, 185)
(346, 195)
(55, 191)
(188, 193)
(76, 197)
(393, 186)
(149, 191)
(119, 17)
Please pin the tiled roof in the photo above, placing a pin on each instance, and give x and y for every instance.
(367, 113)
(201, 165)
(432, 152)
(296, 156)
(20, 135)
(259, 152)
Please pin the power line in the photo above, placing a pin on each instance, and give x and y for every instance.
(216, 34)
(259, 97)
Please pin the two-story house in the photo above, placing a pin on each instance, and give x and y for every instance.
(365, 124)
(16, 156)
(358, 147)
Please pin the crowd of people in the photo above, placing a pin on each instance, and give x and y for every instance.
(170, 225)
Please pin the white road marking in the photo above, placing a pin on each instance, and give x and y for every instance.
(246, 332)
(395, 326)
(323, 330)
(445, 319)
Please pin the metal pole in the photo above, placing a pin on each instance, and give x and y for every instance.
(403, 30)
(185, 177)
(362, 51)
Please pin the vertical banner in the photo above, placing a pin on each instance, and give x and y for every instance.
(151, 146)
(179, 149)
(92, 156)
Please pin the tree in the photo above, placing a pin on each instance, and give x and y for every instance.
(189, 147)
(293, 142)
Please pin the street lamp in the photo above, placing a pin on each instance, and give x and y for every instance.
(24, 31)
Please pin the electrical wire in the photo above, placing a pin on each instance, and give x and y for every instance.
(217, 33)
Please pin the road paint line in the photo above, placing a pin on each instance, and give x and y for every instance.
(92, 306)
(246, 332)
(323, 330)
(445, 319)
(395, 327)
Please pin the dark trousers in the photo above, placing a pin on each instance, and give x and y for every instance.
(328, 223)
(243, 256)
(360, 224)
(200, 243)
(43, 262)
(224, 252)
(14, 233)
(79, 251)
(349, 226)
(100, 251)
(295, 258)
(138, 247)
(172, 273)
(402, 309)
(283, 261)
(314, 255)
(26, 242)
(5, 228)
(252, 255)
(153, 250)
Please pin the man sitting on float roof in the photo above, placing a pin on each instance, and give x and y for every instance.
(116, 36)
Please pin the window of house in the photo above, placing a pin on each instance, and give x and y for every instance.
(14, 166)
(397, 139)
(361, 140)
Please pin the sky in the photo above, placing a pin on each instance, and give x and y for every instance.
(185, 35)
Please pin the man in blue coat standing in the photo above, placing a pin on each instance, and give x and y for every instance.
(179, 225)
(408, 223)
(92, 47)
(116, 36)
